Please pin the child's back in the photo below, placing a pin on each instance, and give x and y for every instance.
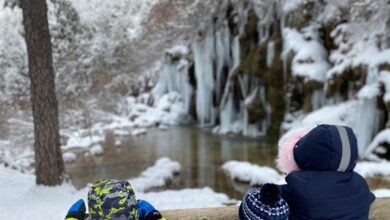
(326, 187)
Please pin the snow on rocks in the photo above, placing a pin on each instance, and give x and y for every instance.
(96, 150)
(310, 60)
(168, 110)
(370, 169)
(358, 45)
(157, 175)
(21, 162)
(177, 51)
(254, 174)
(138, 132)
(381, 193)
(78, 140)
(118, 143)
(69, 157)
(292, 5)
(381, 138)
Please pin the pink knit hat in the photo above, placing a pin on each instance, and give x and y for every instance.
(285, 160)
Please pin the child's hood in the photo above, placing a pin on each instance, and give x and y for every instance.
(327, 147)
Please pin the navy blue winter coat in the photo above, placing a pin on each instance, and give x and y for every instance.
(327, 187)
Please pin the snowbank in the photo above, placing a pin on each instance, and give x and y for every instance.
(381, 193)
(21, 199)
(186, 198)
(20, 161)
(69, 157)
(252, 173)
(96, 150)
(78, 141)
(380, 138)
(369, 169)
(156, 176)
(291, 5)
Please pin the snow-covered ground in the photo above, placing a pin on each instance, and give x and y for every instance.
(22, 199)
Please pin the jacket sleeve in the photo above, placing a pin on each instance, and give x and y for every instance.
(77, 211)
(146, 211)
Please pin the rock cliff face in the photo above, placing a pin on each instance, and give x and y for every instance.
(262, 67)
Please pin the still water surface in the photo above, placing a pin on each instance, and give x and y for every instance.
(200, 153)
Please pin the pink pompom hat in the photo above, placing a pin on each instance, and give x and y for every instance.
(285, 160)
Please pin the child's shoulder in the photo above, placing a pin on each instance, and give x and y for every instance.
(308, 183)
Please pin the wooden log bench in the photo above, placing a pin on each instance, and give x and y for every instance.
(380, 210)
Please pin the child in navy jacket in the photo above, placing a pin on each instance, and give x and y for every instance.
(321, 183)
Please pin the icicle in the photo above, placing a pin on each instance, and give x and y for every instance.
(203, 58)
(365, 122)
(372, 75)
(222, 56)
(227, 115)
(270, 53)
(174, 77)
(263, 98)
(317, 99)
(236, 52)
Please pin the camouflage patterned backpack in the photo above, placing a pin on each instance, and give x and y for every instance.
(112, 199)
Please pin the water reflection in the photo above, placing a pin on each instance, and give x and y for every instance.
(199, 152)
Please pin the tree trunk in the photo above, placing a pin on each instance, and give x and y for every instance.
(49, 165)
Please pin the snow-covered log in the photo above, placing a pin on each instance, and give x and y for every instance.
(379, 210)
